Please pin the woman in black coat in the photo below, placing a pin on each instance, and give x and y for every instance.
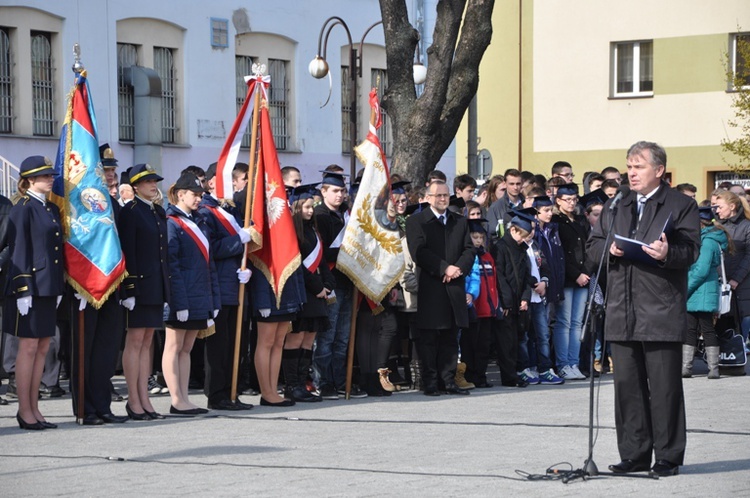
(35, 283)
(296, 358)
(143, 236)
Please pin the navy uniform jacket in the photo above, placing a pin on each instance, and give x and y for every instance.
(194, 284)
(226, 250)
(143, 237)
(36, 248)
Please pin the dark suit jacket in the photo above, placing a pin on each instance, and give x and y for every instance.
(648, 302)
(433, 248)
(143, 236)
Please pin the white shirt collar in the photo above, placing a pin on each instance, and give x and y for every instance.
(181, 210)
(438, 215)
(649, 195)
(40, 197)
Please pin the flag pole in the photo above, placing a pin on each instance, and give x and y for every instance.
(250, 189)
(352, 335)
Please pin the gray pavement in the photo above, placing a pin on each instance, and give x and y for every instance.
(407, 444)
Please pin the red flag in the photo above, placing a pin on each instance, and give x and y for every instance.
(278, 255)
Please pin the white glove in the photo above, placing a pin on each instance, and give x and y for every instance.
(265, 312)
(244, 275)
(332, 295)
(81, 301)
(210, 323)
(216, 313)
(244, 234)
(59, 298)
(182, 315)
(128, 303)
(23, 304)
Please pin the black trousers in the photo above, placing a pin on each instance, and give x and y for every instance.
(506, 338)
(219, 349)
(701, 323)
(438, 352)
(475, 349)
(649, 401)
(375, 336)
(103, 329)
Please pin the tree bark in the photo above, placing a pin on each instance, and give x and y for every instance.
(424, 127)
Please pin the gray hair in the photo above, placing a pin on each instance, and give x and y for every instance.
(658, 154)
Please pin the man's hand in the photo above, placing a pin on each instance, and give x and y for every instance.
(658, 249)
(450, 273)
(733, 284)
(615, 251)
(583, 280)
(540, 288)
(524, 306)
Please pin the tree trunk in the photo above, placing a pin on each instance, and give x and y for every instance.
(424, 127)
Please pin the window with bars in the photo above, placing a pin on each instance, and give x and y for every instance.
(127, 56)
(278, 105)
(164, 67)
(633, 64)
(346, 110)
(219, 32)
(739, 51)
(42, 85)
(6, 83)
(243, 67)
(379, 80)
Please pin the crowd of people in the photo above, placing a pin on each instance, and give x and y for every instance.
(494, 272)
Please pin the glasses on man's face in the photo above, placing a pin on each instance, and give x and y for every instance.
(569, 175)
(569, 200)
(440, 196)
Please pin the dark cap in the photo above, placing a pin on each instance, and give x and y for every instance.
(107, 157)
(593, 198)
(477, 225)
(457, 202)
(541, 201)
(333, 179)
(567, 189)
(36, 166)
(141, 172)
(125, 176)
(301, 192)
(706, 213)
(524, 218)
(399, 187)
(211, 171)
(188, 181)
(416, 208)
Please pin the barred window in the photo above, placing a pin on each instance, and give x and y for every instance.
(278, 102)
(243, 67)
(164, 67)
(42, 85)
(127, 56)
(6, 83)
(346, 109)
(379, 80)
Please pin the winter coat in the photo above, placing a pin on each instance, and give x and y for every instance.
(433, 247)
(315, 281)
(472, 280)
(514, 276)
(573, 236)
(553, 261)
(330, 224)
(226, 247)
(738, 264)
(647, 302)
(703, 279)
(488, 299)
(195, 286)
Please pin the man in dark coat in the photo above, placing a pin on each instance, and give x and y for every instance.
(646, 311)
(440, 244)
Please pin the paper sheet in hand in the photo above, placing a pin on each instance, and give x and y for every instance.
(633, 249)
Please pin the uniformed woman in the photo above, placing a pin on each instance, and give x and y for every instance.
(36, 281)
(143, 236)
(194, 297)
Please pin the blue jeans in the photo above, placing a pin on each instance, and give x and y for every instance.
(329, 355)
(536, 354)
(567, 333)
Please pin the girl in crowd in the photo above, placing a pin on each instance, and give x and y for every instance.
(195, 297)
(573, 230)
(142, 227)
(703, 295)
(495, 191)
(296, 358)
(36, 282)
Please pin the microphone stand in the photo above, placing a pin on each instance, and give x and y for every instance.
(594, 311)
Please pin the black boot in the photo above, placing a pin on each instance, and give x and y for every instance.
(289, 367)
(394, 376)
(300, 392)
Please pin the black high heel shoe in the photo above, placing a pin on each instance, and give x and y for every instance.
(283, 403)
(27, 426)
(136, 416)
(154, 415)
(47, 425)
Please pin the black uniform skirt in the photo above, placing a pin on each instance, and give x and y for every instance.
(187, 324)
(38, 323)
(286, 317)
(311, 324)
(149, 316)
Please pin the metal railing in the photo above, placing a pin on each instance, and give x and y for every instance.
(8, 178)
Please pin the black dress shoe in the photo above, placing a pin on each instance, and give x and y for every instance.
(454, 389)
(189, 411)
(154, 415)
(224, 404)
(285, 402)
(47, 425)
(664, 468)
(628, 466)
(134, 415)
(27, 426)
(92, 419)
(111, 418)
(483, 385)
(245, 406)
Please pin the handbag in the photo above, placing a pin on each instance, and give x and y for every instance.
(725, 296)
(732, 349)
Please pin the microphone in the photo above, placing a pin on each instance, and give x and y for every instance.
(623, 191)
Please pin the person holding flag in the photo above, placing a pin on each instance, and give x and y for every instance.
(36, 285)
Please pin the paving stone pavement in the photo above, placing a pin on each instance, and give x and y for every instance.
(407, 444)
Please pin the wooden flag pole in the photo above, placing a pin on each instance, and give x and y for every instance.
(250, 187)
(81, 370)
(352, 336)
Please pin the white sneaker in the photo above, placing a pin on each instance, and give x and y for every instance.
(566, 373)
(577, 373)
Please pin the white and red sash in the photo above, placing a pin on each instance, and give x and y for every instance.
(226, 219)
(194, 232)
(312, 261)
